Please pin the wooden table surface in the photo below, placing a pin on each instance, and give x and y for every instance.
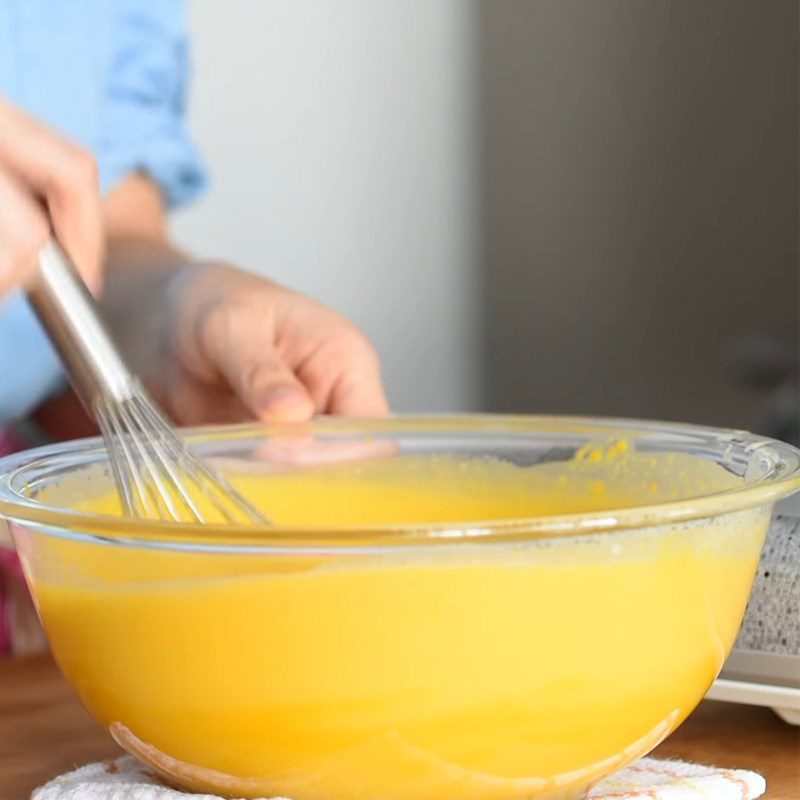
(44, 732)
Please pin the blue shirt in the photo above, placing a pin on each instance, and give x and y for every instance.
(112, 76)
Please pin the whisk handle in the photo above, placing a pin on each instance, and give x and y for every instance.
(72, 320)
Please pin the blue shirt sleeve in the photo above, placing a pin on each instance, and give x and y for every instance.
(29, 367)
(143, 127)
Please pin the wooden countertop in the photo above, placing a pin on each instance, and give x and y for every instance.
(44, 732)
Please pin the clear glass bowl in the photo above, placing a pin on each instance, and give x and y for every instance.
(443, 607)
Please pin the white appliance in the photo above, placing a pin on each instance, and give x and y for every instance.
(764, 667)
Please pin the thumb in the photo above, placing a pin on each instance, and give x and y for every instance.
(266, 385)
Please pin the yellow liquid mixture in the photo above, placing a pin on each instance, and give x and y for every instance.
(502, 670)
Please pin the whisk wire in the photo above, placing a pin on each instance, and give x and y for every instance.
(156, 436)
(159, 489)
(131, 483)
(216, 489)
(156, 474)
(115, 456)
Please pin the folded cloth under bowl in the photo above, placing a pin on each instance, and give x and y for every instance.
(646, 779)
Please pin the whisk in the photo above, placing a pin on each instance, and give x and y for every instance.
(156, 475)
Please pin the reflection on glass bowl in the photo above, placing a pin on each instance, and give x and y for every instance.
(478, 607)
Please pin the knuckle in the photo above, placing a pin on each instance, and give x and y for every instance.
(201, 334)
(78, 170)
(30, 239)
(347, 353)
(359, 348)
(215, 319)
(373, 355)
(217, 325)
(17, 257)
(256, 374)
(82, 164)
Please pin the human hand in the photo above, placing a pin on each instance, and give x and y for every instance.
(45, 182)
(234, 346)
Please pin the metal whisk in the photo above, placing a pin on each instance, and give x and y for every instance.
(156, 474)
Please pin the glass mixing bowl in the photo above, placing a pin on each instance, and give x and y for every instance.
(476, 607)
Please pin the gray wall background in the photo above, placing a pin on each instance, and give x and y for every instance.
(579, 206)
(343, 147)
(641, 209)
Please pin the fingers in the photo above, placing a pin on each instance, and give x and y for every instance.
(268, 387)
(190, 401)
(358, 392)
(239, 350)
(64, 177)
(344, 375)
(24, 229)
(73, 200)
(283, 355)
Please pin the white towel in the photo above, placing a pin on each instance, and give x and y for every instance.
(647, 779)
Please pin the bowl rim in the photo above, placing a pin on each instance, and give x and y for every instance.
(782, 480)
